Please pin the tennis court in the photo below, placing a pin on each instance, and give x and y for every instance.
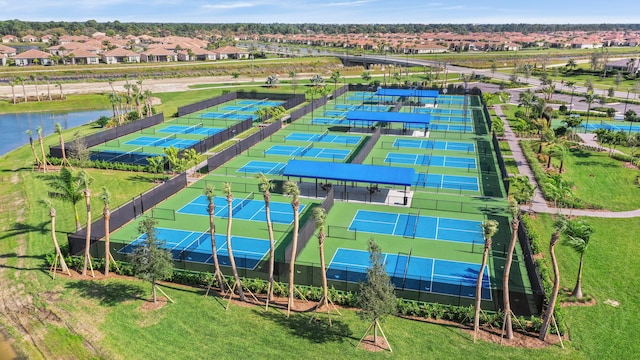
(450, 119)
(436, 111)
(243, 209)
(440, 181)
(262, 103)
(265, 167)
(162, 142)
(225, 115)
(409, 272)
(435, 145)
(431, 160)
(196, 129)
(417, 226)
(609, 126)
(362, 107)
(326, 138)
(339, 122)
(308, 151)
(335, 113)
(196, 247)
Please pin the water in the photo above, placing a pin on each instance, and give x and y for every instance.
(14, 126)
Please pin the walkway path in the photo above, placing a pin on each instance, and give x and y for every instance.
(539, 204)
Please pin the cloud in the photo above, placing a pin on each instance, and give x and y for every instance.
(227, 6)
(349, 3)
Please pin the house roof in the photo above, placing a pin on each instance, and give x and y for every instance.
(230, 50)
(33, 54)
(6, 49)
(80, 53)
(119, 52)
(159, 52)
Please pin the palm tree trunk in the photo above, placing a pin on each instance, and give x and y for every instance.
(87, 243)
(64, 153)
(476, 318)
(44, 157)
(294, 249)
(35, 153)
(24, 91)
(577, 291)
(505, 279)
(267, 202)
(556, 287)
(214, 251)
(63, 264)
(107, 247)
(230, 250)
(325, 286)
(153, 290)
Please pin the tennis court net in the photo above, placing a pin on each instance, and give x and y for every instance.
(306, 149)
(193, 128)
(244, 202)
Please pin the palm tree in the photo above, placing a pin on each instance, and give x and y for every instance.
(46, 78)
(211, 209)
(559, 226)
(572, 86)
(335, 79)
(515, 223)
(578, 233)
(13, 91)
(320, 219)
(59, 85)
(105, 196)
(33, 148)
(489, 228)
(265, 185)
(85, 180)
(41, 141)
(64, 153)
(20, 80)
(59, 257)
(294, 81)
(111, 81)
(291, 189)
(571, 64)
(227, 190)
(147, 102)
(34, 78)
(526, 99)
(66, 187)
(589, 98)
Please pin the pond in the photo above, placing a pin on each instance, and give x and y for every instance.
(13, 127)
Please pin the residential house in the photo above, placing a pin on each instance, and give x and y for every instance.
(33, 57)
(47, 38)
(7, 50)
(4, 59)
(82, 57)
(158, 55)
(29, 39)
(231, 52)
(631, 66)
(9, 39)
(196, 54)
(429, 48)
(511, 47)
(120, 55)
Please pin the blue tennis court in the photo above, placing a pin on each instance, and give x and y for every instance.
(340, 122)
(453, 182)
(326, 138)
(302, 151)
(225, 115)
(362, 107)
(243, 209)
(262, 103)
(162, 142)
(436, 111)
(609, 126)
(412, 272)
(196, 247)
(246, 108)
(412, 225)
(435, 144)
(265, 167)
(431, 160)
(335, 113)
(449, 119)
(196, 129)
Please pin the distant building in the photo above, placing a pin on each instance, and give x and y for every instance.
(9, 39)
(631, 66)
(231, 52)
(120, 55)
(33, 57)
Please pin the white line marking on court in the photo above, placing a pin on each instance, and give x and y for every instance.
(396, 224)
(437, 227)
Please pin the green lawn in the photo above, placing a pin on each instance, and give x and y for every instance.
(75, 102)
(610, 272)
(599, 179)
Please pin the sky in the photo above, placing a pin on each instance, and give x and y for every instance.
(325, 11)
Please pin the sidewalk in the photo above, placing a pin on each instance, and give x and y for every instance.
(539, 204)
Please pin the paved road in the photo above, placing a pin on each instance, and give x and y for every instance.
(539, 204)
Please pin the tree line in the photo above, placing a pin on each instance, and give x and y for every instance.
(20, 28)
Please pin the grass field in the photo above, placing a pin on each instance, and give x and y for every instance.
(599, 179)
